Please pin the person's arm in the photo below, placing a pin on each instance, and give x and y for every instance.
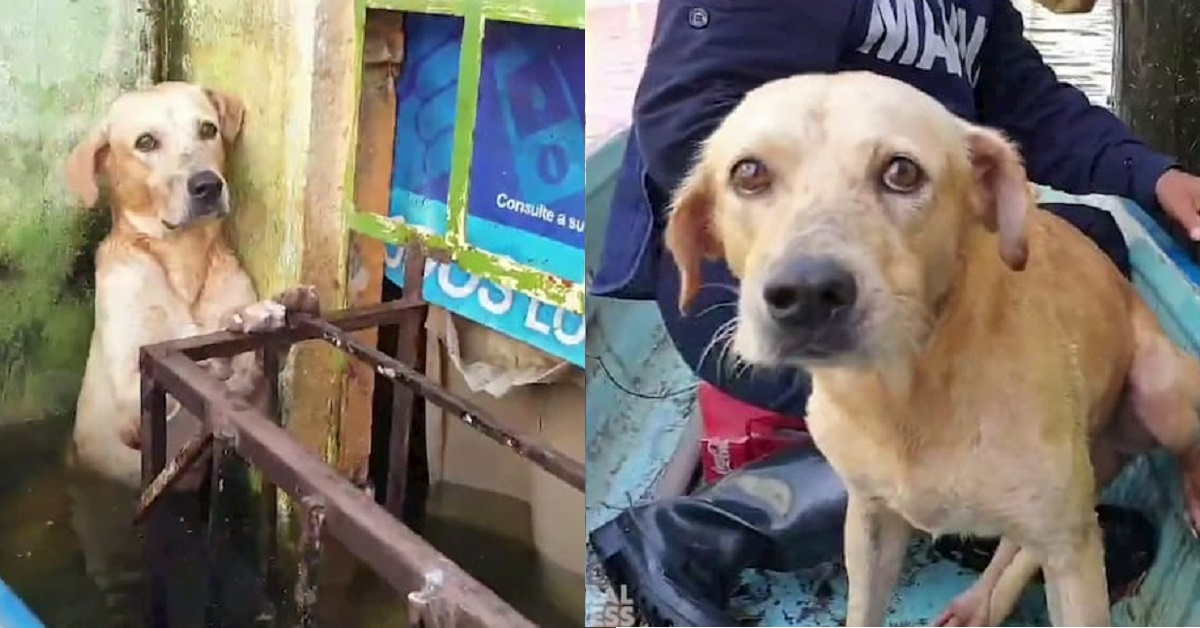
(705, 56)
(1068, 143)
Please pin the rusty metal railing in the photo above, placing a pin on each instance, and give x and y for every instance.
(439, 592)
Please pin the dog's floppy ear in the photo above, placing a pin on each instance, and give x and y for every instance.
(231, 113)
(83, 165)
(1006, 198)
(690, 236)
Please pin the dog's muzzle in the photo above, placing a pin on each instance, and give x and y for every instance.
(811, 302)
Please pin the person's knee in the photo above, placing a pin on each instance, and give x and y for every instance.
(1099, 226)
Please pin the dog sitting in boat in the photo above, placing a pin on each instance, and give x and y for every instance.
(165, 270)
(979, 367)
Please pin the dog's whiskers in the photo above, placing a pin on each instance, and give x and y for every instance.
(714, 307)
(735, 290)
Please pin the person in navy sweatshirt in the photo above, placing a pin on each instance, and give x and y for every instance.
(682, 556)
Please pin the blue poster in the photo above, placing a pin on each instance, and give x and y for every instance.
(427, 94)
(532, 160)
(559, 332)
(527, 172)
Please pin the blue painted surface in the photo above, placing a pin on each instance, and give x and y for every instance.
(632, 437)
(528, 121)
(527, 172)
(14, 613)
(552, 329)
(427, 91)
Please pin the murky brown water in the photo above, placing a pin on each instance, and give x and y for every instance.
(68, 548)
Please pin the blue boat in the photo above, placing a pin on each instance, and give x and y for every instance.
(13, 611)
(642, 443)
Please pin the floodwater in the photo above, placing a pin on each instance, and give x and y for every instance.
(1078, 47)
(70, 550)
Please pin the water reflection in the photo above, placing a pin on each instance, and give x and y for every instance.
(70, 550)
(1078, 47)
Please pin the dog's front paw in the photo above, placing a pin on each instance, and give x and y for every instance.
(259, 317)
(301, 299)
(271, 315)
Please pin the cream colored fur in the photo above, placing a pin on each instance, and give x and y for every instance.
(996, 370)
(163, 272)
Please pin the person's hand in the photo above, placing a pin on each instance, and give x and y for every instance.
(1179, 194)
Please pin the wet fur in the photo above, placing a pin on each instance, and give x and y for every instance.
(1002, 371)
(153, 282)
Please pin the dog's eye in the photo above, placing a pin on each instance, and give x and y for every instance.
(903, 175)
(208, 130)
(146, 143)
(750, 176)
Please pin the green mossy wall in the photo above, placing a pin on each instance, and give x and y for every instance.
(61, 63)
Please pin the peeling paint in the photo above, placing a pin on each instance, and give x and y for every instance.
(261, 51)
(498, 269)
(292, 64)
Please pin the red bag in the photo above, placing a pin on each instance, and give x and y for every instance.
(737, 433)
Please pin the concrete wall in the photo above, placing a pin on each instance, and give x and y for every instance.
(61, 63)
(293, 62)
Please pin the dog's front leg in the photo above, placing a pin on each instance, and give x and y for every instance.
(876, 542)
(263, 316)
(271, 314)
(1076, 591)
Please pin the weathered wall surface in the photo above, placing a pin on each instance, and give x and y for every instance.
(1156, 78)
(291, 61)
(61, 63)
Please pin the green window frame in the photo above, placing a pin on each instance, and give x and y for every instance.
(503, 271)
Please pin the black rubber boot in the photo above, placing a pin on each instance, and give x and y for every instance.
(681, 558)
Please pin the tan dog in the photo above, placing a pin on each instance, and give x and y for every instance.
(968, 351)
(164, 271)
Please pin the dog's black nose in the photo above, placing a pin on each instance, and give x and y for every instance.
(809, 291)
(205, 186)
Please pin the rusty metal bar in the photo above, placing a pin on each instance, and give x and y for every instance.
(154, 458)
(366, 529)
(191, 451)
(427, 608)
(269, 567)
(226, 344)
(312, 525)
(220, 450)
(410, 349)
(541, 453)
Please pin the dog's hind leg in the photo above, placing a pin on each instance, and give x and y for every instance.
(994, 594)
(1164, 395)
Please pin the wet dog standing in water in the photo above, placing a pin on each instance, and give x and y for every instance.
(163, 272)
(979, 366)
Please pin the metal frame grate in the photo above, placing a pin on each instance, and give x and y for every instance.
(329, 503)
